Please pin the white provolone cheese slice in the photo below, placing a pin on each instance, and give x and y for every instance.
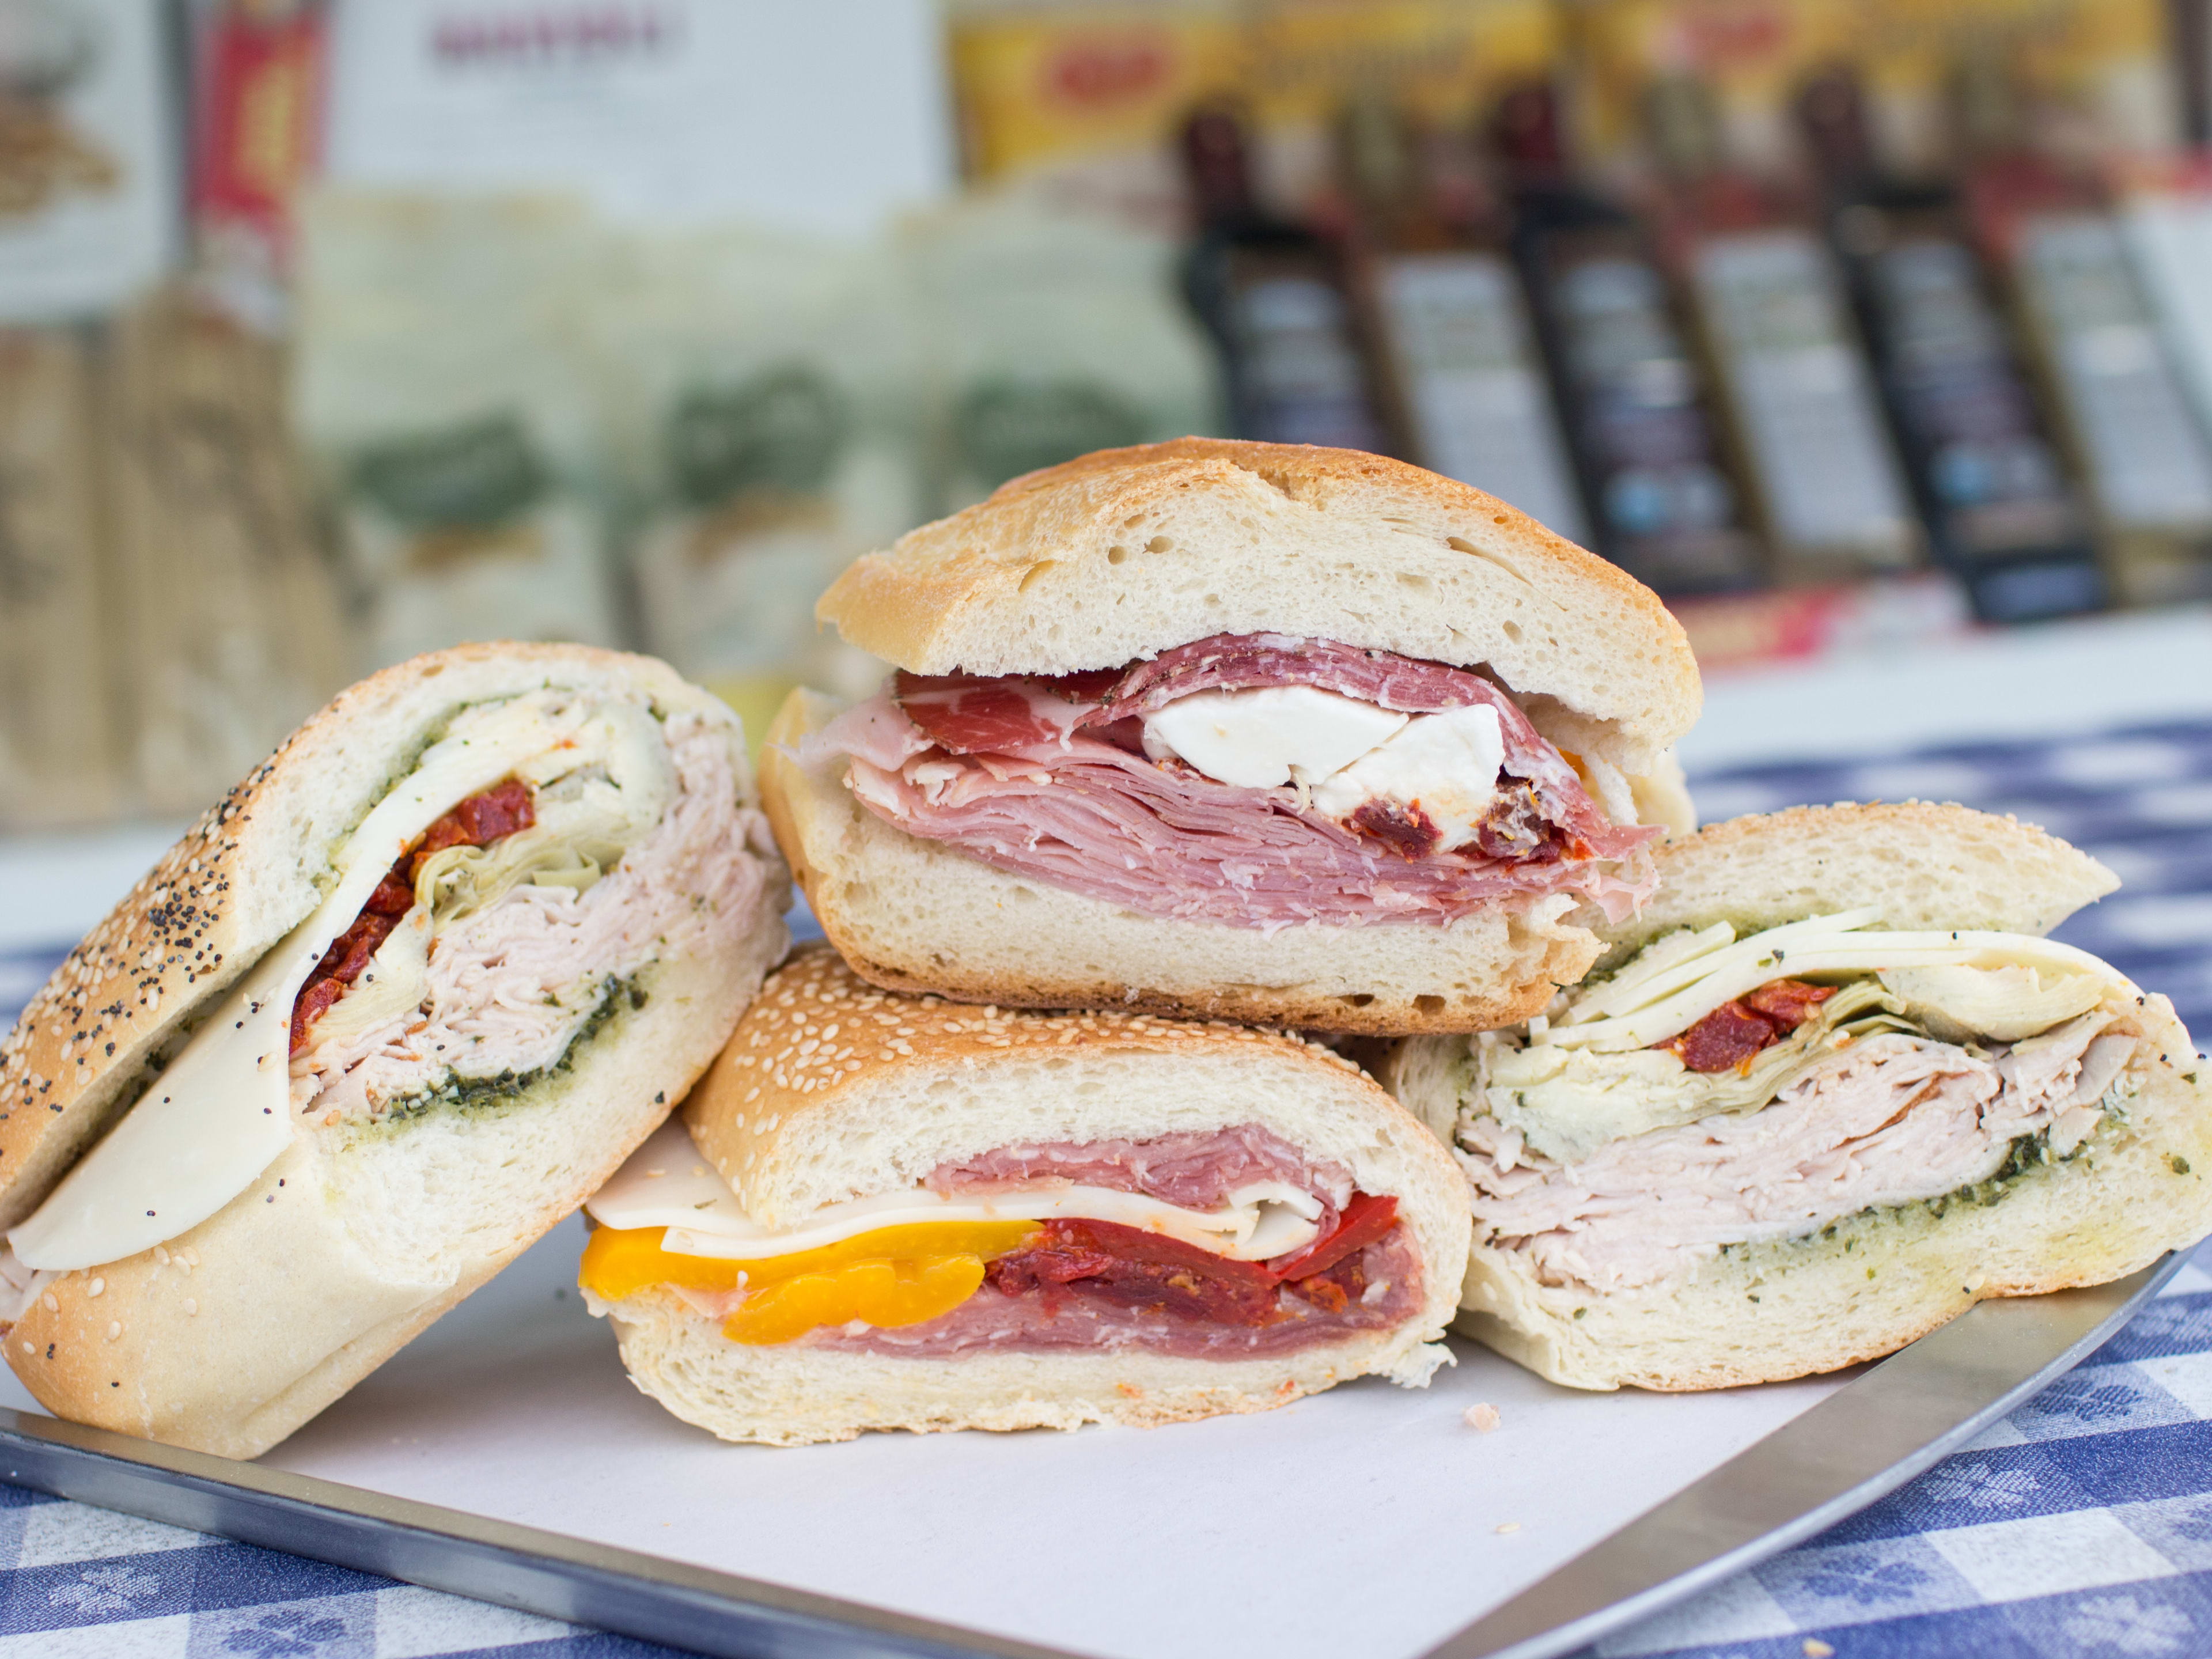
(219, 1114)
(666, 1184)
(1666, 1004)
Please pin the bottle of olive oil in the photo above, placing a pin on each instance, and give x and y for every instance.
(2001, 512)
(1275, 296)
(1638, 404)
(1794, 381)
(1458, 354)
(2093, 342)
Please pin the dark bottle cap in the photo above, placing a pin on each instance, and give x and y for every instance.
(1218, 165)
(1832, 115)
(1524, 133)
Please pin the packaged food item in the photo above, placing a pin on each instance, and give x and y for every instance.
(229, 616)
(2097, 72)
(1456, 346)
(1639, 405)
(2048, 228)
(446, 401)
(759, 399)
(2001, 511)
(1775, 318)
(1047, 334)
(259, 95)
(87, 156)
(59, 751)
(1082, 101)
(1277, 299)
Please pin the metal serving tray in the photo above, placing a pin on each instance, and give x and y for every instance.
(504, 1456)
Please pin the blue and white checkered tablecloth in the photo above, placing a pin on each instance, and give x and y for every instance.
(2080, 1525)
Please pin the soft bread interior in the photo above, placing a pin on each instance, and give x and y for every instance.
(1126, 553)
(915, 914)
(832, 1089)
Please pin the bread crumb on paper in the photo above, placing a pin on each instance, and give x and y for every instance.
(1509, 1525)
(1816, 1649)
(1484, 1418)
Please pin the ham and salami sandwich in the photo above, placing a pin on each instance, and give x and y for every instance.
(884, 1211)
(1833, 1087)
(402, 1001)
(1248, 731)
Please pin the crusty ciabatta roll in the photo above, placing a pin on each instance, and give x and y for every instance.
(391, 1009)
(881, 1212)
(1259, 732)
(1832, 1088)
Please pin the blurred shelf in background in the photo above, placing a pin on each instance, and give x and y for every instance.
(334, 329)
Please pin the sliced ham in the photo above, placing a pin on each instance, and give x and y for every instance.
(1890, 1120)
(1197, 1170)
(1047, 778)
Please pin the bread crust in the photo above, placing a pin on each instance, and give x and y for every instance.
(229, 1336)
(1127, 552)
(1024, 944)
(830, 1089)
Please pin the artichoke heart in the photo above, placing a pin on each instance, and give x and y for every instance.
(595, 799)
(1958, 1003)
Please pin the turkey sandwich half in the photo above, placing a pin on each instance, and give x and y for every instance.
(1832, 1088)
(382, 1018)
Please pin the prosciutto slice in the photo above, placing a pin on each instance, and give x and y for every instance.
(1047, 778)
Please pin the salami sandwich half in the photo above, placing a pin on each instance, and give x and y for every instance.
(1832, 1088)
(1257, 732)
(382, 1018)
(883, 1212)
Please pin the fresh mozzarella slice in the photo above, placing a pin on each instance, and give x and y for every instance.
(1263, 739)
(1446, 765)
(668, 1184)
(219, 1114)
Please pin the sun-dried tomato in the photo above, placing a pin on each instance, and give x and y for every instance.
(1139, 1269)
(1789, 1003)
(1406, 830)
(481, 819)
(1729, 1036)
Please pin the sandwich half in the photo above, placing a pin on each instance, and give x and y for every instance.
(1833, 1087)
(383, 1016)
(1258, 731)
(881, 1212)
